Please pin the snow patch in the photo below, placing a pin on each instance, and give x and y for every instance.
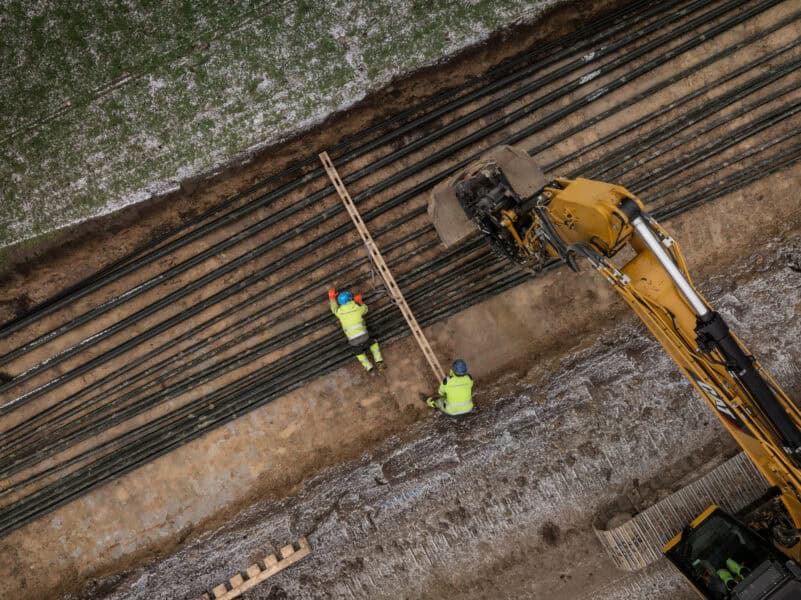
(154, 85)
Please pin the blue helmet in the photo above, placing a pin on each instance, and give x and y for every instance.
(459, 367)
(344, 298)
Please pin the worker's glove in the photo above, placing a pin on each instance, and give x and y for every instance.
(358, 298)
(431, 403)
(332, 293)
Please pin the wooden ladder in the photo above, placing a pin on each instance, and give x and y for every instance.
(258, 572)
(378, 260)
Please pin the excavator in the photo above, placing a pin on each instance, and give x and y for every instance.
(534, 221)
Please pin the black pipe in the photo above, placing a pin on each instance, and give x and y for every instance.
(240, 212)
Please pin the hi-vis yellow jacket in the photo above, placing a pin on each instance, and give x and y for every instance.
(457, 390)
(351, 317)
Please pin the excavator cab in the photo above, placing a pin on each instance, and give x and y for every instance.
(725, 560)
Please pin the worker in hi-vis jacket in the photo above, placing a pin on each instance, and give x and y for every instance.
(455, 395)
(350, 311)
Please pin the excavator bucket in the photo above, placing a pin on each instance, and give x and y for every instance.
(446, 211)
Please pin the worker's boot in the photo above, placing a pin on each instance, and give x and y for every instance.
(376, 351)
(727, 578)
(740, 572)
(365, 362)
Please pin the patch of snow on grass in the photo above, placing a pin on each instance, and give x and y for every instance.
(155, 84)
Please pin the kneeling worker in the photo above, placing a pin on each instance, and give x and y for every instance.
(350, 311)
(455, 392)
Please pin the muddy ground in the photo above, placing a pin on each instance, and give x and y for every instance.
(270, 452)
(500, 504)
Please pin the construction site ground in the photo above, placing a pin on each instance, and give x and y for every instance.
(501, 505)
(578, 407)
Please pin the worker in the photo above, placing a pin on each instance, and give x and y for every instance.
(350, 311)
(455, 392)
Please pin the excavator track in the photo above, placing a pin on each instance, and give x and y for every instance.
(637, 542)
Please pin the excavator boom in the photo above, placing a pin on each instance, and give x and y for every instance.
(534, 221)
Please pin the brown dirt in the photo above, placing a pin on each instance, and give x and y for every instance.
(269, 452)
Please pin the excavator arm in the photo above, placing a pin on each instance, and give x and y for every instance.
(534, 221)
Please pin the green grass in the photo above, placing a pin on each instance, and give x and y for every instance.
(207, 79)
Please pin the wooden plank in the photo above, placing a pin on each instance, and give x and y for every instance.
(383, 270)
(272, 565)
(270, 561)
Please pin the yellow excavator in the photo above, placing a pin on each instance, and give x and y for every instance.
(533, 221)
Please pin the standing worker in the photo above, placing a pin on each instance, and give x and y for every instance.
(455, 392)
(350, 311)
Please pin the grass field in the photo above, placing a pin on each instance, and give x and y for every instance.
(106, 102)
